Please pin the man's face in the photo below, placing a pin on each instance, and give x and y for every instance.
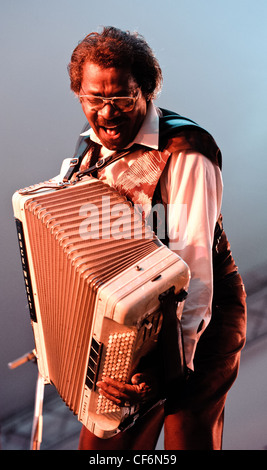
(115, 128)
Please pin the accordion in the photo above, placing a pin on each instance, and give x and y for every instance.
(93, 272)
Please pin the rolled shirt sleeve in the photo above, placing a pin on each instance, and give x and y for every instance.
(191, 189)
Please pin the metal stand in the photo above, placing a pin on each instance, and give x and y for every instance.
(37, 425)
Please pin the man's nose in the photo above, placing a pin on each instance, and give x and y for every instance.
(109, 111)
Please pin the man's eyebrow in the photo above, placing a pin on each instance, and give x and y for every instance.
(122, 92)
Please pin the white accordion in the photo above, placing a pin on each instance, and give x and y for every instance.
(93, 273)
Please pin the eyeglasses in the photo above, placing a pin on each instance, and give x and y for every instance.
(123, 103)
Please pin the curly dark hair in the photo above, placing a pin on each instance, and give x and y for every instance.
(116, 48)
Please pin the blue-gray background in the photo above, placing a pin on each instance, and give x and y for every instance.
(214, 61)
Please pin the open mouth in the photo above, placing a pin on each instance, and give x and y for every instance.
(113, 134)
(112, 131)
(112, 127)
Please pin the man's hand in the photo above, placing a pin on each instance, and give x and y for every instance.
(142, 389)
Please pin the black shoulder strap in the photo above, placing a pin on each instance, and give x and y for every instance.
(82, 146)
(82, 140)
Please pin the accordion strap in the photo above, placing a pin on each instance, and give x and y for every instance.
(97, 164)
(84, 146)
(173, 356)
(102, 163)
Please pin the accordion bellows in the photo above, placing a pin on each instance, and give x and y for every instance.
(93, 272)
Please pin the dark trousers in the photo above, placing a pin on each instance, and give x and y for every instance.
(193, 417)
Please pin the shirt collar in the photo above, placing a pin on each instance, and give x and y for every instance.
(148, 134)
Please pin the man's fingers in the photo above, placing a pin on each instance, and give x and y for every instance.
(113, 391)
(108, 382)
(119, 392)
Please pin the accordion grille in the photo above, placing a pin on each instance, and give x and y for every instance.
(71, 259)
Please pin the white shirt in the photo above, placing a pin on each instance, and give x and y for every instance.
(192, 187)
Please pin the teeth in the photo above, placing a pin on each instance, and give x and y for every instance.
(111, 130)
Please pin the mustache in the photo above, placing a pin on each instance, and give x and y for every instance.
(111, 122)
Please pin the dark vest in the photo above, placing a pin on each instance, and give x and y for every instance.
(179, 133)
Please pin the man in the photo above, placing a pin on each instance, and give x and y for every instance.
(166, 158)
